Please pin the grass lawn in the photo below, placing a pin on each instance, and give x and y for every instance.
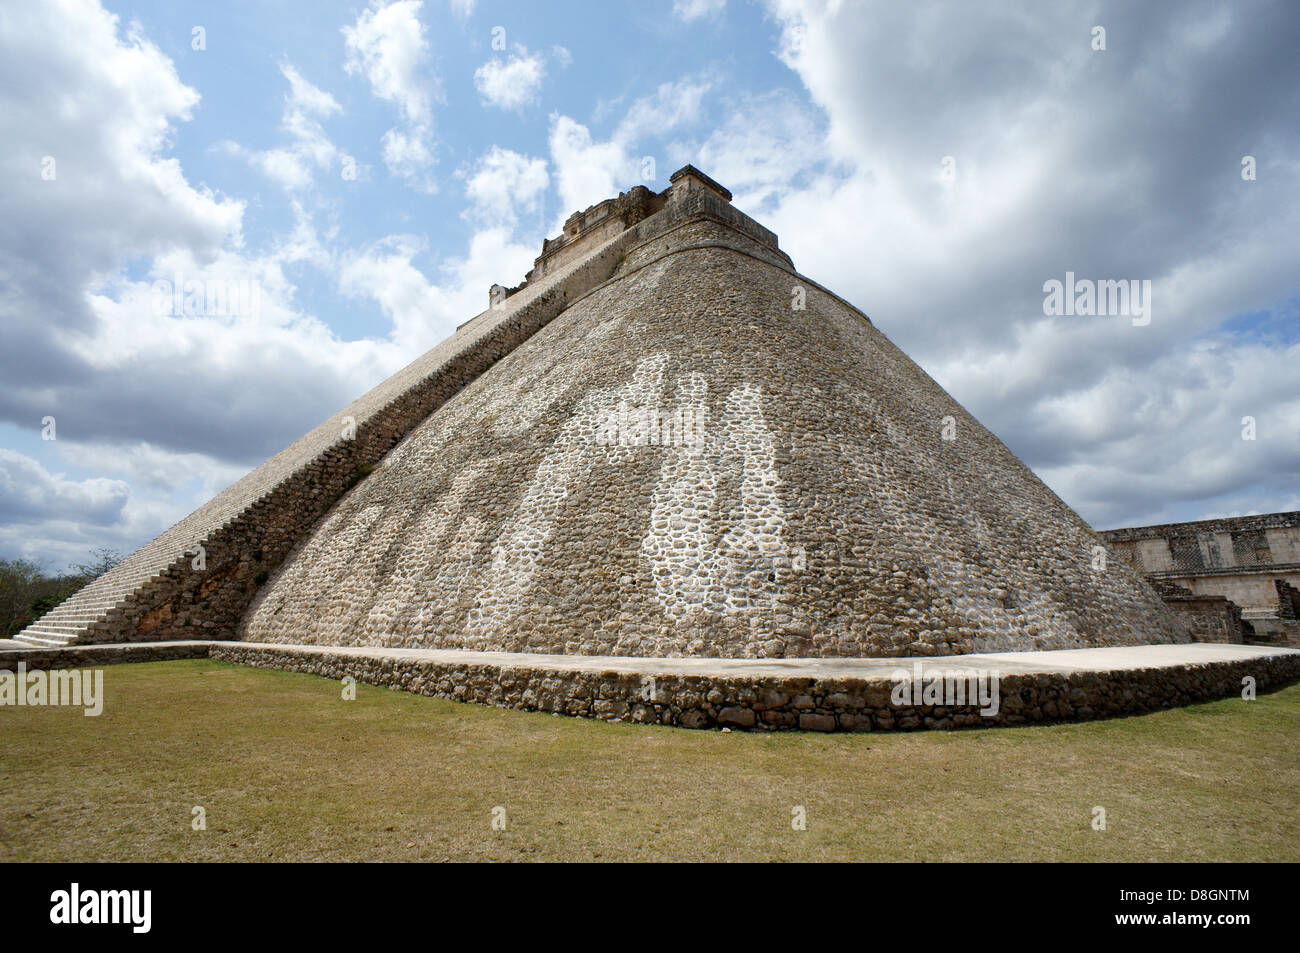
(287, 770)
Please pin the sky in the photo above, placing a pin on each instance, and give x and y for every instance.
(346, 180)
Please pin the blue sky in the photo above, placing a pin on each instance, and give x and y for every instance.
(832, 123)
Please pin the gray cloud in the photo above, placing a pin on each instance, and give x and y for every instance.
(1116, 164)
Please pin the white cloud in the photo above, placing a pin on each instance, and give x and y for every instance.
(689, 10)
(763, 146)
(407, 153)
(588, 170)
(56, 521)
(503, 183)
(1118, 168)
(423, 312)
(305, 106)
(387, 45)
(146, 465)
(29, 493)
(670, 106)
(511, 82)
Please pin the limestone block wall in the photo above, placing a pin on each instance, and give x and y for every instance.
(1249, 588)
(1288, 600)
(771, 701)
(95, 656)
(564, 503)
(777, 702)
(1247, 560)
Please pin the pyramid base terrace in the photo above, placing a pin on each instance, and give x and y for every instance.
(807, 694)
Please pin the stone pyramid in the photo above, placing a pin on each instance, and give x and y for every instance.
(665, 442)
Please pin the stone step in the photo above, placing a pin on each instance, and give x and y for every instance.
(79, 613)
(40, 625)
(45, 641)
(1267, 638)
(59, 628)
(92, 608)
(82, 621)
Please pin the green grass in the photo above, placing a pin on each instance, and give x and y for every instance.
(287, 770)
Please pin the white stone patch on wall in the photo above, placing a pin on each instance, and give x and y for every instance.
(693, 570)
(514, 407)
(678, 544)
(356, 589)
(517, 408)
(454, 574)
(409, 585)
(753, 546)
(330, 559)
(517, 552)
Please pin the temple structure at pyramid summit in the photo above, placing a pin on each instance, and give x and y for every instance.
(665, 444)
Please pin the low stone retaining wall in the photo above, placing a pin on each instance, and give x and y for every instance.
(718, 699)
(775, 702)
(93, 656)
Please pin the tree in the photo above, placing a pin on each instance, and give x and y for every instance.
(101, 561)
(20, 582)
(27, 593)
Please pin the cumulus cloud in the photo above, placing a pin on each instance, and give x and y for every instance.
(1122, 164)
(309, 149)
(511, 82)
(31, 494)
(588, 170)
(504, 183)
(387, 45)
(424, 312)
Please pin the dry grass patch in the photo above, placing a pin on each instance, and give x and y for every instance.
(287, 770)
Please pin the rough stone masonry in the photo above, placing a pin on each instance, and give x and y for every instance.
(666, 442)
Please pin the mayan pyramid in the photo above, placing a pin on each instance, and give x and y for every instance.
(665, 442)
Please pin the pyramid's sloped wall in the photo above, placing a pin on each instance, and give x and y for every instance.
(682, 463)
(247, 529)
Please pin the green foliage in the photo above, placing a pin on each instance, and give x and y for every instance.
(27, 592)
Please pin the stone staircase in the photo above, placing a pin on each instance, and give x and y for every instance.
(1270, 629)
(74, 618)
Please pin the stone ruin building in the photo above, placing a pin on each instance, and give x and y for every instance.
(1232, 580)
(665, 443)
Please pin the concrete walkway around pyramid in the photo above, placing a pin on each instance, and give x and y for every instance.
(810, 694)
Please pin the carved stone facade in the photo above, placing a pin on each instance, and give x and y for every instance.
(1253, 562)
